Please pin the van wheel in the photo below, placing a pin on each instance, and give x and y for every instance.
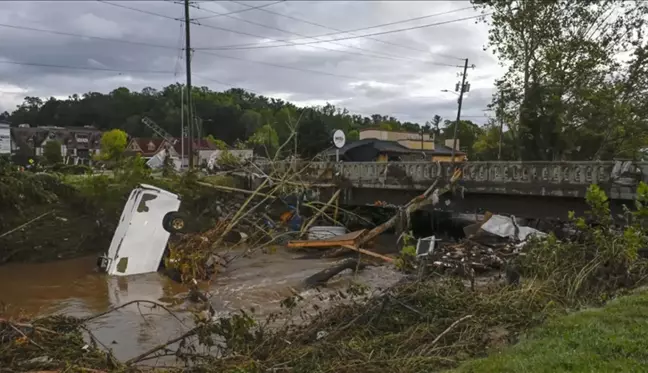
(175, 222)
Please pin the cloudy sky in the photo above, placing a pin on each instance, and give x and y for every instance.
(399, 73)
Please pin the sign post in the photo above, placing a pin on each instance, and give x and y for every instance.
(339, 139)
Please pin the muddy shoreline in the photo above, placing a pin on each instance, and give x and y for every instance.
(46, 217)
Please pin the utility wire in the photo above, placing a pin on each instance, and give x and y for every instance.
(172, 18)
(351, 112)
(138, 43)
(139, 10)
(240, 10)
(239, 32)
(353, 37)
(175, 72)
(204, 51)
(338, 31)
(178, 65)
(280, 66)
(263, 37)
(317, 72)
(372, 55)
(87, 68)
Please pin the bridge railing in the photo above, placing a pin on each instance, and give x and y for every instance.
(534, 178)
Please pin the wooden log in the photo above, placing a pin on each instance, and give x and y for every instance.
(336, 241)
(322, 277)
(413, 205)
(370, 253)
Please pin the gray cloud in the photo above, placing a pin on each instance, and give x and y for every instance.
(405, 82)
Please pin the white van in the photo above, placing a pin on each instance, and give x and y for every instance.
(141, 237)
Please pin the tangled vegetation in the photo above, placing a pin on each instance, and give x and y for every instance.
(42, 217)
(59, 214)
(419, 325)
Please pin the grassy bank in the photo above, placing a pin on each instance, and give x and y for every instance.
(613, 338)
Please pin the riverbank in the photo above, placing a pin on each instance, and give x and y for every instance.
(51, 216)
(429, 321)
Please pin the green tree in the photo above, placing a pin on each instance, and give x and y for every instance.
(486, 146)
(251, 120)
(52, 152)
(113, 144)
(566, 93)
(436, 122)
(265, 141)
(353, 135)
(467, 134)
(218, 143)
(232, 116)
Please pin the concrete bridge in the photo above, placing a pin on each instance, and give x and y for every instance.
(529, 189)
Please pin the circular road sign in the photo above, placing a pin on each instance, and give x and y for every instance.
(339, 139)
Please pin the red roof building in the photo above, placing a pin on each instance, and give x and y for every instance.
(148, 147)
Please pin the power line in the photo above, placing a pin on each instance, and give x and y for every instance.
(280, 66)
(139, 10)
(354, 37)
(338, 31)
(263, 37)
(240, 10)
(350, 111)
(166, 47)
(180, 48)
(242, 33)
(138, 43)
(172, 18)
(362, 112)
(87, 68)
(372, 55)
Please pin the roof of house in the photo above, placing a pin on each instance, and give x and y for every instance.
(381, 145)
(29, 137)
(150, 146)
(377, 128)
(199, 144)
(393, 147)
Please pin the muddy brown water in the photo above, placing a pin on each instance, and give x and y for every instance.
(75, 288)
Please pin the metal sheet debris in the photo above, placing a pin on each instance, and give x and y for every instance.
(506, 227)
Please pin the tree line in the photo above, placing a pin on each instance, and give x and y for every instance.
(229, 118)
(576, 88)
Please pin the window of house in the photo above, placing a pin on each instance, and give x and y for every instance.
(151, 146)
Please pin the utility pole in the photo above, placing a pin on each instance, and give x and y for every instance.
(422, 132)
(190, 122)
(501, 120)
(461, 88)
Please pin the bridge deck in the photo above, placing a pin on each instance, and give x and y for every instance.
(556, 179)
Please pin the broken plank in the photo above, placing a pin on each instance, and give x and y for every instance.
(370, 253)
(342, 240)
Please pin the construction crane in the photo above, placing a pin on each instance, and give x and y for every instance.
(158, 130)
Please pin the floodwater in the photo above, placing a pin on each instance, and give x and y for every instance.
(75, 288)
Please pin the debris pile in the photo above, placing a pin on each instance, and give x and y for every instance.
(56, 343)
(422, 324)
(490, 245)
